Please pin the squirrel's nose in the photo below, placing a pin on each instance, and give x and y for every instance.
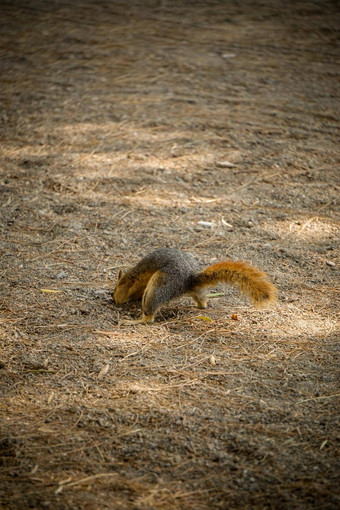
(119, 299)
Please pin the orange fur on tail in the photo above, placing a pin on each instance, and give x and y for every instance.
(251, 281)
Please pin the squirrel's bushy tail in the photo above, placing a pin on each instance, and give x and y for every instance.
(251, 281)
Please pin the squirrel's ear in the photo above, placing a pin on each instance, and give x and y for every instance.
(120, 274)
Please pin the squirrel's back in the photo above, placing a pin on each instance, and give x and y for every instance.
(171, 259)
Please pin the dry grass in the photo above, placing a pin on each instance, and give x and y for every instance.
(123, 125)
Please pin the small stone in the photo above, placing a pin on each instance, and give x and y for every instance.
(225, 164)
(62, 274)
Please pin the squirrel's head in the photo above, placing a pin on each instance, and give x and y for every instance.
(121, 292)
(130, 287)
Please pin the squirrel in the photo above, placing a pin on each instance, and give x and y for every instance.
(168, 273)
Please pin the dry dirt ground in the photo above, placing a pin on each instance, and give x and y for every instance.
(124, 126)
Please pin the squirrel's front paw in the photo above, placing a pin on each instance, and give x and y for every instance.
(146, 319)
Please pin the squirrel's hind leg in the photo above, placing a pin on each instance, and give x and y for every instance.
(200, 298)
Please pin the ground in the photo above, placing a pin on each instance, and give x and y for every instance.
(211, 126)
